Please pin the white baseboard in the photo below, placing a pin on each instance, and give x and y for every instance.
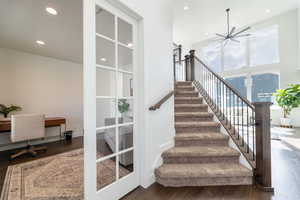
(157, 162)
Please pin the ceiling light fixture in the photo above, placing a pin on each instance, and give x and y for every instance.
(40, 42)
(268, 10)
(103, 59)
(129, 44)
(186, 8)
(51, 11)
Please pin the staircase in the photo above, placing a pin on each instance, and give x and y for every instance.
(201, 156)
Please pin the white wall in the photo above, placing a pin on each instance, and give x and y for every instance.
(289, 56)
(42, 85)
(299, 36)
(157, 80)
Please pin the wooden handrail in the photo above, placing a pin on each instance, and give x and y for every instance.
(162, 101)
(227, 84)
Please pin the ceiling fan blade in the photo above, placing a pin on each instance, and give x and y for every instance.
(234, 40)
(223, 36)
(226, 42)
(242, 31)
(217, 39)
(244, 35)
(232, 30)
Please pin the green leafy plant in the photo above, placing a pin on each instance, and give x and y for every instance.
(5, 110)
(288, 98)
(123, 106)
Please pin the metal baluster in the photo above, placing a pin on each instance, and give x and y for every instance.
(218, 96)
(238, 117)
(226, 106)
(247, 129)
(223, 112)
(230, 109)
(253, 134)
(243, 122)
(234, 106)
(204, 82)
(212, 90)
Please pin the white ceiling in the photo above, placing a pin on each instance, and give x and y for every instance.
(207, 17)
(23, 22)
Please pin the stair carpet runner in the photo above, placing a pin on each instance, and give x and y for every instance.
(201, 156)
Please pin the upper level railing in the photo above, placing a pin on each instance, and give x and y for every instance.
(179, 64)
(247, 123)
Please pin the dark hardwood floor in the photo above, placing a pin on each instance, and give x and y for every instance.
(285, 165)
(285, 173)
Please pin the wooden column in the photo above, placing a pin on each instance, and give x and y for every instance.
(263, 171)
(192, 63)
(187, 68)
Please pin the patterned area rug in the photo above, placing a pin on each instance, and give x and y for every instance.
(58, 177)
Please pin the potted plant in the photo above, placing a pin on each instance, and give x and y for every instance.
(123, 107)
(288, 99)
(5, 110)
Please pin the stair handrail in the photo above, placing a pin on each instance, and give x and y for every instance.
(226, 83)
(162, 101)
(221, 96)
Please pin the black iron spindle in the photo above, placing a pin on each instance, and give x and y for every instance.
(247, 129)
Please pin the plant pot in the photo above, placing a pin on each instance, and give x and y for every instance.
(287, 122)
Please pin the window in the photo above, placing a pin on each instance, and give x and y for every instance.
(263, 86)
(235, 55)
(211, 55)
(256, 88)
(261, 48)
(264, 47)
(238, 83)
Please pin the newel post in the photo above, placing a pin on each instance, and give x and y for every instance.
(192, 62)
(263, 172)
(187, 67)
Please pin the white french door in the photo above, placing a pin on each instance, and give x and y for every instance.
(110, 64)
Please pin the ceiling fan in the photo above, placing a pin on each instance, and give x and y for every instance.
(232, 35)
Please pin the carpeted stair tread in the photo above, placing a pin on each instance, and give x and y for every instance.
(183, 83)
(191, 105)
(206, 151)
(196, 124)
(188, 98)
(201, 136)
(193, 114)
(211, 170)
(186, 92)
(185, 87)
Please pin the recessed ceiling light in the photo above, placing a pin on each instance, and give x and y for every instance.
(51, 11)
(103, 59)
(268, 10)
(40, 42)
(129, 44)
(186, 8)
(207, 34)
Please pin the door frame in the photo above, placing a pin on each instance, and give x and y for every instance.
(89, 85)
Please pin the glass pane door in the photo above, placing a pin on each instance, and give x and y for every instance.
(114, 154)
